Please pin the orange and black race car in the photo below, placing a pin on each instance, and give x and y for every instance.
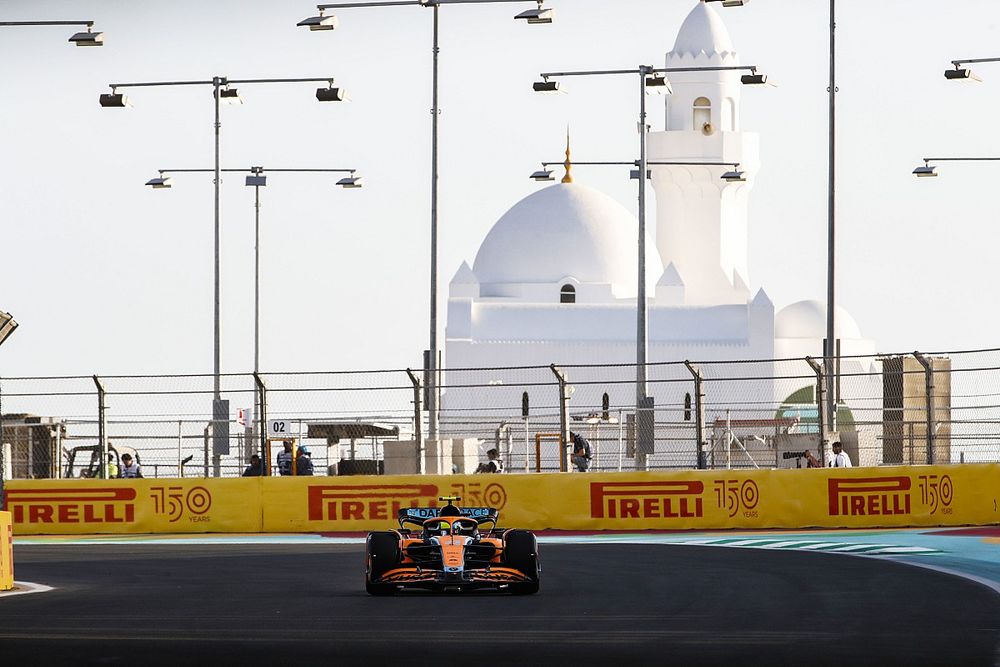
(451, 548)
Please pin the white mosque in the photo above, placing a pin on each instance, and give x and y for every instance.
(554, 280)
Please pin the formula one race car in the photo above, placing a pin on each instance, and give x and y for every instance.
(451, 549)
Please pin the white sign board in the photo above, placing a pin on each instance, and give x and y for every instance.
(279, 429)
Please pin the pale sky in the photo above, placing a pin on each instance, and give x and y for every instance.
(107, 276)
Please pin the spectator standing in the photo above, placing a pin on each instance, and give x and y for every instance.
(285, 459)
(492, 464)
(255, 469)
(839, 458)
(130, 469)
(581, 452)
(303, 462)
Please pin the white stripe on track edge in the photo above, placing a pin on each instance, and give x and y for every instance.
(25, 588)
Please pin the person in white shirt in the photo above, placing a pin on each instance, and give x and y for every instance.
(839, 458)
(129, 469)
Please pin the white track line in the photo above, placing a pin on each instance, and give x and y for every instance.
(24, 588)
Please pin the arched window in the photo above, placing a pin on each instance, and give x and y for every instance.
(567, 294)
(703, 115)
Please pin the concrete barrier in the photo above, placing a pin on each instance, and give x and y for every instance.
(686, 500)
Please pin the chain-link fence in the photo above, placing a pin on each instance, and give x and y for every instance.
(907, 408)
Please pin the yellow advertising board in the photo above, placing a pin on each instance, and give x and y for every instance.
(53, 507)
(6, 552)
(855, 498)
(685, 500)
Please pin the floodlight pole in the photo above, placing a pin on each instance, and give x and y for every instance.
(830, 351)
(257, 171)
(432, 361)
(433, 388)
(642, 302)
(217, 82)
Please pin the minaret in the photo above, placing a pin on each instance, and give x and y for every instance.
(701, 219)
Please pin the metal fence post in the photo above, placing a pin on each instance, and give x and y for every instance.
(820, 407)
(699, 419)
(102, 429)
(265, 458)
(563, 417)
(418, 435)
(928, 365)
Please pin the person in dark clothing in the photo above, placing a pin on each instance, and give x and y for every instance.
(581, 452)
(255, 469)
(303, 462)
(285, 459)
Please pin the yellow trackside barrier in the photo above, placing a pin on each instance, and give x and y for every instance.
(6, 552)
(708, 499)
(53, 507)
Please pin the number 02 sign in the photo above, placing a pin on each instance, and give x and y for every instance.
(278, 428)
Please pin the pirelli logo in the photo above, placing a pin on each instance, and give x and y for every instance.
(646, 500)
(72, 505)
(869, 496)
(359, 503)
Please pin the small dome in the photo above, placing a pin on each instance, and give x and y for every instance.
(807, 319)
(566, 230)
(703, 32)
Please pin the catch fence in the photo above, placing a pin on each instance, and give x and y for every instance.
(891, 409)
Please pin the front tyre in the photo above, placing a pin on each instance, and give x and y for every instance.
(521, 553)
(381, 555)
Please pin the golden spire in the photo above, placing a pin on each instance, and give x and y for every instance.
(568, 178)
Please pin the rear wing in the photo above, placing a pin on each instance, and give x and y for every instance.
(418, 515)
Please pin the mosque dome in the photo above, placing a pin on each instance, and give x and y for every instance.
(807, 319)
(703, 32)
(566, 231)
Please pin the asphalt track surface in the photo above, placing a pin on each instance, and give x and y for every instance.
(155, 604)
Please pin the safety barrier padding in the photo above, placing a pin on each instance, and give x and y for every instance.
(6, 552)
(686, 500)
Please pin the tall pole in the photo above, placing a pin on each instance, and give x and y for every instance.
(216, 83)
(256, 279)
(831, 343)
(642, 329)
(432, 397)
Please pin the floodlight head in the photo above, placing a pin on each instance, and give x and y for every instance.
(331, 94)
(160, 182)
(351, 181)
(657, 83)
(537, 16)
(546, 86)
(256, 180)
(734, 176)
(543, 174)
(88, 38)
(7, 325)
(320, 22)
(960, 74)
(925, 171)
(754, 79)
(229, 95)
(114, 100)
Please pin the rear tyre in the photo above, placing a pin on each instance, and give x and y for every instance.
(381, 555)
(521, 553)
